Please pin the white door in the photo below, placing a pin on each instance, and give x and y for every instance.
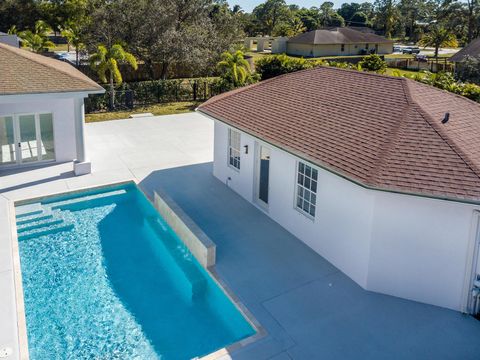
(26, 138)
(263, 175)
(474, 289)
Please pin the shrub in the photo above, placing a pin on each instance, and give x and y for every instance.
(469, 70)
(373, 63)
(274, 65)
(470, 91)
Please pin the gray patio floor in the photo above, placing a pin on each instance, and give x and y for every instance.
(309, 309)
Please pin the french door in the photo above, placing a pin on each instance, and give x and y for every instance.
(26, 138)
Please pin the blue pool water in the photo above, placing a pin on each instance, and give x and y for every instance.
(104, 277)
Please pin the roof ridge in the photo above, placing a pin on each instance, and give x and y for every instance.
(440, 131)
(30, 56)
(392, 139)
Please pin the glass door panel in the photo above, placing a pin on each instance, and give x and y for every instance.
(47, 150)
(7, 141)
(264, 174)
(28, 143)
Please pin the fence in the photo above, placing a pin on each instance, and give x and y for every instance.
(429, 64)
(131, 95)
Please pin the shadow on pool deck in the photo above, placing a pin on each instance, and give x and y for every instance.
(308, 307)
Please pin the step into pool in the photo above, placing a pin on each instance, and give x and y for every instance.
(105, 277)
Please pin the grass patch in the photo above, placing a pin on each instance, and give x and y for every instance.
(158, 109)
(390, 71)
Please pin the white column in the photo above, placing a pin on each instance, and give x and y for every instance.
(82, 165)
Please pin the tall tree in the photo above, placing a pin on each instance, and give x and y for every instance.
(386, 16)
(271, 13)
(37, 40)
(105, 62)
(328, 16)
(437, 37)
(73, 33)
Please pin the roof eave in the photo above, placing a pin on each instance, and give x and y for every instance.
(4, 98)
(338, 173)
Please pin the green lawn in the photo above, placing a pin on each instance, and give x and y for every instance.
(158, 109)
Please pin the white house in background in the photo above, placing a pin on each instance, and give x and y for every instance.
(9, 39)
(380, 175)
(42, 110)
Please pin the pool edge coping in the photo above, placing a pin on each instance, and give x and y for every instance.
(260, 331)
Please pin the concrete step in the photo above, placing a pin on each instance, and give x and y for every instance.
(34, 219)
(40, 225)
(55, 229)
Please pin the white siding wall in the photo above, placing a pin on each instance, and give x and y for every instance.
(395, 244)
(63, 121)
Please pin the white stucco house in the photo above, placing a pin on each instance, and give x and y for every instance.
(42, 110)
(380, 175)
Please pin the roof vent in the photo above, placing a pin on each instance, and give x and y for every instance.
(445, 119)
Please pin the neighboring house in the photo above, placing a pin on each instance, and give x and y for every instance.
(472, 50)
(380, 175)
(9, 39)
(337, 42)
(41, 110)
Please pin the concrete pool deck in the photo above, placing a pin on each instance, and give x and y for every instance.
(308, 308)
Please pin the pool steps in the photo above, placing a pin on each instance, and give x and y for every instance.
(36, 220)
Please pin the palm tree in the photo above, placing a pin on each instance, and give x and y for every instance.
(105, 62)
(72, 32)
(37, 40)
(236, 69)
(438, 37)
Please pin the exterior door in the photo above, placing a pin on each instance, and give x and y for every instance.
(263, 177)
(26, 138)
(28, 143)
(8, 151)
(474, 290)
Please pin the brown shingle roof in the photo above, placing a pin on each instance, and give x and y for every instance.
(23, 72)
(472, 49)
(382, 132)
(337, 36)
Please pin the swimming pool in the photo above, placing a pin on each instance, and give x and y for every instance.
(104, 277)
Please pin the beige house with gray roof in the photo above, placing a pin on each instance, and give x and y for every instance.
(42, 111)
(337, 42)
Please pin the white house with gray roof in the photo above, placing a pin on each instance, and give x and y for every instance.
(42, 111)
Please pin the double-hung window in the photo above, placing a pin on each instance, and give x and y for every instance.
(234, 148)
(307, 178)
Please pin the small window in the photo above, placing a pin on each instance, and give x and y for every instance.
(366, 46)
(234, 148)
(342, 47)
(307, 178)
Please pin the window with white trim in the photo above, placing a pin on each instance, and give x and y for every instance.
(307, 178)
(234, 148)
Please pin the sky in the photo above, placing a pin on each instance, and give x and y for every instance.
(248, 5)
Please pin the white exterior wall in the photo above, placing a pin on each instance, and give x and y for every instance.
(306, 50)
(420, 248)
(402, 245)
(63, 110)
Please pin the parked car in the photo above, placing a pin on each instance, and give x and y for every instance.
(422, 58)
(397, 49)
(411, 50)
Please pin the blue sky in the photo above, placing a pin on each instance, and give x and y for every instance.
(248, 5)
